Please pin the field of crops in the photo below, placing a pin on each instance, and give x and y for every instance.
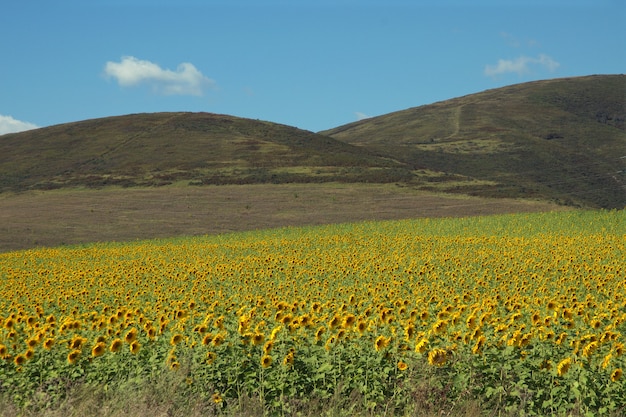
(524, 313)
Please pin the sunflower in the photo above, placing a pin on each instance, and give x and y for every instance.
(616, 374)
(258, 338)
(218, 339)
(567, 314)
(535, 318)
(361, 326)
(19, 360)
(563, 366)
(402, 366)
(319, 333)
(210, 357)
(268, 347)
(217, 398)
(116, 345)
(134, 347)
(421, 345)
(409, 332)
(334, 322)
(329, 343)
(130, 336)
(47, 344)
(288, 361)
(478, 347)
(305, 321)
(77, 342)
(381, 342)
(72, 357)
(275, 332)
(98, 349)
(266, 361)
(437, 357)
(29, 353)
(440, 326)
(176, 339)
(590, 348)
(348, 320)
(207, 339)
(559, 340)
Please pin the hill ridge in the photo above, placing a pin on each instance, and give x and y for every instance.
(541, 134)
(559, 140)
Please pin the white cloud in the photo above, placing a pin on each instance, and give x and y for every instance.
(10, 125)
(520, 65)
(361, 116)
(186, 80)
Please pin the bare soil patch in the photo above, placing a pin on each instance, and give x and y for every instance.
(63, 217)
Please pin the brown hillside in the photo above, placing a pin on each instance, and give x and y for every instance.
(561, 140)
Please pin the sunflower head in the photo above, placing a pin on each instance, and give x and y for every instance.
(176, 339)
(130, 336)
(616, 374)
(116, 345)
(98, 349)
(134, 347)
(266, 361)
(258, 338)
(19, 360)
(72, 357)
(288, 361)
(381, 342)
(348, 320)
(563, 366)
(437, 357)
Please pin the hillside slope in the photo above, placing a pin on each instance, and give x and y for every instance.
(195, 148)
(561, 140)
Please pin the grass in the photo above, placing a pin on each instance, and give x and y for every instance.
(561, 140)
(167, 394)
(72, 216)
(557, 140)
(162, 148)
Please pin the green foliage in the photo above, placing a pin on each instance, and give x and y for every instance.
(528, 324)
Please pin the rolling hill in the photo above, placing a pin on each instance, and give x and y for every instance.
(193, 148)
(561, 140)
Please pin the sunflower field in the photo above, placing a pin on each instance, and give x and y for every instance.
(525, 313)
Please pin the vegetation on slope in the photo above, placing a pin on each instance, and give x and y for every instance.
(558, 140)
(561, 139)
(198, 148)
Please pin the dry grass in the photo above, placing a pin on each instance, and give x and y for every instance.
(62, 217)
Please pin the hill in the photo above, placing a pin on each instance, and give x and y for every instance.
(561, 140)
(195, 148)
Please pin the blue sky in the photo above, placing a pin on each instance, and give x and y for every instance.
(310, 64)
